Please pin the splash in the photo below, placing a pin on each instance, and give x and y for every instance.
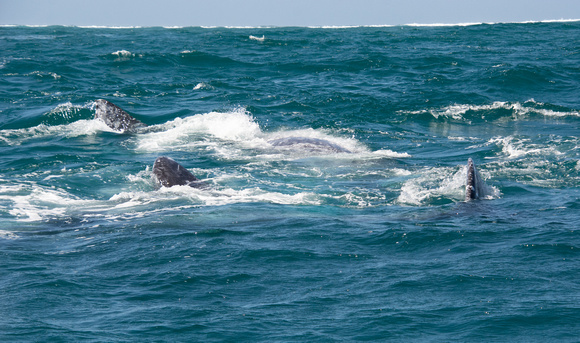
(518, 110)
(123, 53)
(235, 134)
(185, 133)
(443, 184)
(202, 85)
(259, 39)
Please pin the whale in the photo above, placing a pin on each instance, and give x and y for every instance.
(122, 122)
(474, 188)
(314, 144)
(115, 117)
(169, 173)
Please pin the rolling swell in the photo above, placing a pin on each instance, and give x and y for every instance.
(291, 243)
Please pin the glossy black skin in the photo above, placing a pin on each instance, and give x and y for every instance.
(115, 117)
(309, 143)
(170, 173)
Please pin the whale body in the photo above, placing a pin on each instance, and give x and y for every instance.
(316, 144)
(115, 117)
(170, 173)
(474, 188)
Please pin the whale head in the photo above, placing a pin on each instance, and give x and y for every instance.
(473, 185)
(170, 173)
(115, 117)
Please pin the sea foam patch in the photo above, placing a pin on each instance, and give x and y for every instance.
(9, 235)
(74, 129)
(518, 110)
(32, 202)
(184, 133)
(440, 184)
(191, 197)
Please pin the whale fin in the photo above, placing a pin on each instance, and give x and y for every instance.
(473, 188)
(115, 117)
(170, 173)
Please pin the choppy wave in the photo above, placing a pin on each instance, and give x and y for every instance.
(291, 234)
(516, 110)
(235, 135)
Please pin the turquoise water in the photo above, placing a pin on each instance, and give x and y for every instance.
(289, 243)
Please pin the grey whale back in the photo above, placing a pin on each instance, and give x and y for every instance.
(315, 144)
(115, 117)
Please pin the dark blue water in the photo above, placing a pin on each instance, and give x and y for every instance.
(291, 243)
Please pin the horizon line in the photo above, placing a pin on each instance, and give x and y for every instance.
(297, 26)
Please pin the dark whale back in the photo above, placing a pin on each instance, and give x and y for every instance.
(170, 173)
(115, 117)
(309, 143)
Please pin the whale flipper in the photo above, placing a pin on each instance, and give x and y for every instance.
(309, 143)
(170, 173)
(474, 187)
(115, 117)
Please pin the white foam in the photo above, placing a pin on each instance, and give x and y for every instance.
(259, 39)
(74, 129)
(123, 53)
(202, 85)
(45, 73)
(336, 27)
(442, 182)
(185, 133)
(8, 235)
(125, 200)
(458, 111)
(514, 147)
(446, 24)
(108, 27)
(212, 197)
(256, 194)
(389, 153)
(539, 170)
(32, 202)
(549, 21)
(430, 183)
(240, 27)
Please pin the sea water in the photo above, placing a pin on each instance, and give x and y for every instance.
(291, 243)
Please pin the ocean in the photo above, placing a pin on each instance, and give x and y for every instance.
(291, 243)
